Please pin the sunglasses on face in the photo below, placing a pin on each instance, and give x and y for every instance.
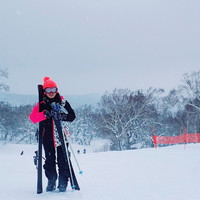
(52, 89)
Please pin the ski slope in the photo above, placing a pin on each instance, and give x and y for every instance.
(168, 173)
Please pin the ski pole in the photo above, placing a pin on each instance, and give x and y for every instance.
(66, 131)
(69, 163)
(80, 171)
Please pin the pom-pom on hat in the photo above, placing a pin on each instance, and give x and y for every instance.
(48, 82)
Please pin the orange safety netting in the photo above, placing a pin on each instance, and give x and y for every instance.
(169, 140)
(184, 138)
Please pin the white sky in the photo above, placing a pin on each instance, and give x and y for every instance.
(90, 46)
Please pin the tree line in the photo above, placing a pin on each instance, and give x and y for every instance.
(124, 117)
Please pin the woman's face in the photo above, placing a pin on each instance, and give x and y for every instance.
(51, 95)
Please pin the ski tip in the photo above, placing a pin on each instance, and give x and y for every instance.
(81, 172)
(73, 187)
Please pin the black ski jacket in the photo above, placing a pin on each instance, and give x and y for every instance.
(47, 123)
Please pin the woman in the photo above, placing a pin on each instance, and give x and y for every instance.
(51, 141)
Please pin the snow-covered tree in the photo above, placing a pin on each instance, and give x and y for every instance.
(190, 89)
(83, 128)
(123, 113)
(15, 125)
(3, 74)
(190, 96)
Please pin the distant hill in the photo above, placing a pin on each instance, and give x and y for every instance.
(74, 100)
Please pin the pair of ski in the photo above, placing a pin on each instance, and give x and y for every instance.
(57, 121)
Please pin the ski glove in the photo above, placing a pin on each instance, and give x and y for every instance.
(47, 114)
(63, 117)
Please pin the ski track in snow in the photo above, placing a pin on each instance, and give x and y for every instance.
(168, 173)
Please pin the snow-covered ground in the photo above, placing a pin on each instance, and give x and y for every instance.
(168, 173)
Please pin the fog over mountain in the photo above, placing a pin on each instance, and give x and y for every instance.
(74, 100)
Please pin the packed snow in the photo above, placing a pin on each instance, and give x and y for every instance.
(167, 173)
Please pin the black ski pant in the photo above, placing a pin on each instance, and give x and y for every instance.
(50, 164)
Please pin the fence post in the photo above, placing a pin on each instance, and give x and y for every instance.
(184, 137)
(154, 138)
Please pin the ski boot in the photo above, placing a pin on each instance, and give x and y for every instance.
(62, 186)
(51, 185)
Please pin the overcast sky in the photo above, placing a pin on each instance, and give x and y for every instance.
(90, 46)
